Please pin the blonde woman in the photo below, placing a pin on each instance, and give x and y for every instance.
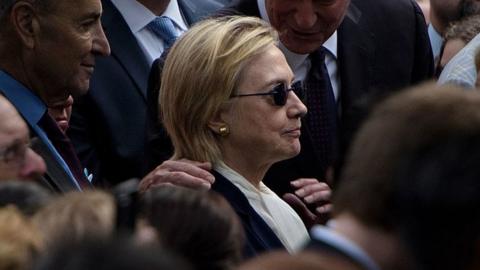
(228, 98)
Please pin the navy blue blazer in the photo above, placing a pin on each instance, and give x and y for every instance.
(108, 124)
(383, 46)
(259, 236)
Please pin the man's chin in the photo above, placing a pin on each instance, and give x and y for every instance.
(80, 89)
(300, 46)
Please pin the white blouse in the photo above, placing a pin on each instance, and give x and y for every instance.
(278, 215)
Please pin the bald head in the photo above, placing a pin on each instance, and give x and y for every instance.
(17, 160)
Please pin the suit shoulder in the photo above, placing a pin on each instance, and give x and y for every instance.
(195, 10)
(385, 9)
(389, 17)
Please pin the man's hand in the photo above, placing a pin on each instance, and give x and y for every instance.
(310, 191)
(183, 172)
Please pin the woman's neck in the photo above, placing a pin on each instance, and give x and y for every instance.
(247, 166)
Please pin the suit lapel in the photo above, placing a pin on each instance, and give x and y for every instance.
(356, 63)
(124, 47)
(55, 178)
(194, 10)
(356, 50)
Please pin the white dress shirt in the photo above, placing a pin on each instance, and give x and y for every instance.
(278, 215)
(301, 64)
(138, 17)
(436, 41)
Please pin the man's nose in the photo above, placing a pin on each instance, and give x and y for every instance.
(305, 15)
(100, 42)
(33, 166)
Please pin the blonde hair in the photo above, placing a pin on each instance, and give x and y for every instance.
(20, 242)
(76, 216)
(201, 72)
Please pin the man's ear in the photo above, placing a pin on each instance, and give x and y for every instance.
(24, 20)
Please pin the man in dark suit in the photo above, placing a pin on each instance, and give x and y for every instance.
(108, 124)
(47, 53)
(380, 47)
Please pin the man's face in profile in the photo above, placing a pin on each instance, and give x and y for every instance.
(70, 36)
(305, 25)
(17, 159)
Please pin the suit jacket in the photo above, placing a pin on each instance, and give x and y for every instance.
(55, 178)
(259, 236)
(108, 124)
(31, 108)
(325, 240)
(383, 46)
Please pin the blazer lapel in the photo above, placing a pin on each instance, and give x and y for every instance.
(55, 178)
(260, 236)
(124, 47)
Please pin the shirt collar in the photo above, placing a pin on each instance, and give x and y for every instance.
(331, 44)
(137, 16)
(30, 106)
(436, 40)
(238, 180)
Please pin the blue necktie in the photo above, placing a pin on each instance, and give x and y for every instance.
(163, 27)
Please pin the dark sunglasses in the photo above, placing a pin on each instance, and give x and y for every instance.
(279, 93)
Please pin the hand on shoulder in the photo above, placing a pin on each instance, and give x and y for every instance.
(183, 172)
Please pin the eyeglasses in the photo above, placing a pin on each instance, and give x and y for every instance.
(14, 152)
(279, 93)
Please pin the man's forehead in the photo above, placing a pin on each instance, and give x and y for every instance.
(11, 130)
(10, 120)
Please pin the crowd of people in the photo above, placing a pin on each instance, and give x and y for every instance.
(239, 134)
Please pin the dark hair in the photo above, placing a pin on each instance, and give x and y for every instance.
(113, 254)
(199, 225)
(396, 131)
(437, 200)
(413, 170)
(6, 6)
(465, 29)
(27, 196)
(469, 7)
